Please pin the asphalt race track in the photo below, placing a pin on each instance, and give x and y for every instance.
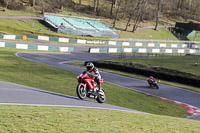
(14, 94)
(56, 60)
(18, 94)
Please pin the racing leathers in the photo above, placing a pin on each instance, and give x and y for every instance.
(95, 73)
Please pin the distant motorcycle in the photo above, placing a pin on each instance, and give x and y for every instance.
(153, 83)
(85, 84)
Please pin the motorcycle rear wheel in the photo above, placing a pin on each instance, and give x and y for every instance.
(81, 91)
(157, 87)
(101, 98)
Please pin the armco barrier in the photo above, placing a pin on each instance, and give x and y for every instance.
(144, 72)
(36, 47)
(46, 38)
(144, 50)
(13, 37)
(113, 43)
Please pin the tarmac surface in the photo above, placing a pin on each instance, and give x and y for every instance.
(165, 91)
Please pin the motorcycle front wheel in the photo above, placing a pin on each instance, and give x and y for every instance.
(81, 91)
(101, 96)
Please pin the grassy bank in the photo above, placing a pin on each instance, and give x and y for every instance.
(24, 27)
(16, 13)
(34, 27)
(185, 64)
(60, 119)
(160, 34)
(25, 72)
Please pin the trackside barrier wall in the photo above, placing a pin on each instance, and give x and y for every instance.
(36, 47)
(113, 43)
(13, 37)
(174, 78)
(144, 50)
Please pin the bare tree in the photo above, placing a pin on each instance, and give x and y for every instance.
(139, 14)
(132, 11)
(95, 5)
(33, 3)
(112, 5)
(7, 3)
(196, 8)
(98, 7)
(178, 6)
(116, 15)
(125, 8)
(157, 13)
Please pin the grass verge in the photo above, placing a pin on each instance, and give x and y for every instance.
(17, 70)
(161, 34)
(61, 119)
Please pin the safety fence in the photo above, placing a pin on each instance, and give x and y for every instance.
(113, 43)
(144, 50)
(36, 47)
(13, 37)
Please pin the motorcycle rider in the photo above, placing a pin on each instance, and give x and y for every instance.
(94, 72)
(151, 79)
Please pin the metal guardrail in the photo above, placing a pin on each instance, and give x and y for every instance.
(116, 43)
(151, 40)
(145, 50)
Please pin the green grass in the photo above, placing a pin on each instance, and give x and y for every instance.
(162, 34)
(179, 63)
(34, 27)
(16, 13)
(73, 120)
(17, 70)
(23, 27)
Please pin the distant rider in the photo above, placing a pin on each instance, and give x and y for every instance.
(151, 79)
(94, 73)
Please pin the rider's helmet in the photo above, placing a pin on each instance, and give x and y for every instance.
(90, 66)
(151, 77)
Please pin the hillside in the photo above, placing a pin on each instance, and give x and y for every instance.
(129, 14)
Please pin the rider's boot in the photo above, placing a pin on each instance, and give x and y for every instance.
(91, 91)
(99, 86)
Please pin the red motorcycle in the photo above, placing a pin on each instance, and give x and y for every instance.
(86, 83)
(152, 83)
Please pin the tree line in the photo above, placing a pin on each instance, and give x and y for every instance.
(132, 11)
